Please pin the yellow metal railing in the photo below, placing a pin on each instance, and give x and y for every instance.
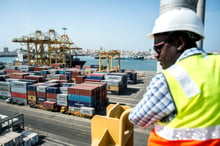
(114, 129)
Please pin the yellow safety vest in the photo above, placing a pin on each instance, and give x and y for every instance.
(194, 84)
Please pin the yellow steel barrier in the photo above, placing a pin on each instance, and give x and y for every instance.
(114, 129)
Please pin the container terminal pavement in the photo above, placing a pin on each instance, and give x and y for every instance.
(128, 99)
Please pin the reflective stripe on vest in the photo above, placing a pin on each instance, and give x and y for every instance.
(189, 87)
(188, 133)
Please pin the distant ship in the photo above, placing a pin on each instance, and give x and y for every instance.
(97, 57)
(22, 57)
(131, 58)
(77, 62)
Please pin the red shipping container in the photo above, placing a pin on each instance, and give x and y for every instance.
(79, 79)
(63, 77)
(75, 73)
(40, 68)
(41, 94)
(52, 95)
(92, 80)
(12, 71)
(49, 105)
(19, 95)
(57, 65)
(17, 75)
(82, 90)
(36, 78)
(32, 93)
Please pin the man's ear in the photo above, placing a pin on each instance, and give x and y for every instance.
(180, 42)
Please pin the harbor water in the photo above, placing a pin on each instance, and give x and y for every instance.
(139, 65)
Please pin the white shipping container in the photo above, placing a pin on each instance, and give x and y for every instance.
(5, 93)
(67, 84)
(73, 108)
(19, 90)
(62, 102)
(11, 67)
(49, 75)
(32, 135)
(53, 71)
(19, 84)
(26, 141)
(5, 90)
(51, 99)
(42, 88)
(6, 141)
(62, 96)
(56, 76)
(5, 85)
(112, 82)
(112, 77)
(25, 68)
(16, 137)
(64, 90)
(90, 111)
(10, 80)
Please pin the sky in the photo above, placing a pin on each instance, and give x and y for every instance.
(91, 24)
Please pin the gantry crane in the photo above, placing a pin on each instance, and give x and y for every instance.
(109, 57)
(48, 48)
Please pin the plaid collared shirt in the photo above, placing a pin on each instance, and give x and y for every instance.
(157, 103)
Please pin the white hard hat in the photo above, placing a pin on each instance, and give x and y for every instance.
(178, 19)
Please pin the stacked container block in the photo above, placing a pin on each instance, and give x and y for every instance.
(95, 77)
(117, 82)
(32, 94)
(19, 91)
(5, 90)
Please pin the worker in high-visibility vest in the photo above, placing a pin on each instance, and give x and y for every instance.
(183, 101)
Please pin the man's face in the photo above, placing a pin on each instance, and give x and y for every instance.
(166, 51)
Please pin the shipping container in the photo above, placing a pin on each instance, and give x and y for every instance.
(42, 88)
(79, 79)
(19, 101)
(6, 141)
(49, 105)
(32, 135)
(52, 100)
(54, 90)
(51, 95)
(27, 141)
(36, 78)
(62, 102)
(19, 86)
(32, 87)
(10, 79)
(87, 111)
(41, 99)
(5, 95)
(19, 95)
(5, 85)
(67, 84)
(64, 90)
(32, 99)
(62, 97)
(17, 75)
(25, 68)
